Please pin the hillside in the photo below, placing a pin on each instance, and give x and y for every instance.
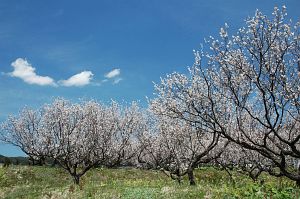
(15, 160)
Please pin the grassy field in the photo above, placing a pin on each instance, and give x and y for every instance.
(45, 182)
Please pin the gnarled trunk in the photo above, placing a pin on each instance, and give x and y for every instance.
(190, 173)
(76, 179)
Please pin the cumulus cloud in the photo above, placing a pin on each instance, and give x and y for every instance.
(25, 71)
(113, 73)
(117, 80)
(81, 79)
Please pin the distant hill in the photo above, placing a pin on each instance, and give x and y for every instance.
(15, 160)
(19, 160)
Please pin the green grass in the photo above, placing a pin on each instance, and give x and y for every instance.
(45, 182)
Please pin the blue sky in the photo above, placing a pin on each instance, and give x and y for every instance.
(105, 49)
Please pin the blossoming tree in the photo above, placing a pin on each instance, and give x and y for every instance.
(78, 136)
(258, 70)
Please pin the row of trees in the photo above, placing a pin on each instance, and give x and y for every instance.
(239, 106)
(77, 136)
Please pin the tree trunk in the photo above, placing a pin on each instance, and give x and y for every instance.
(253, 177)
(54, 163)
(31, 161)
(191, 177)
(179, 179)
(41, 161)
(298, 181)
(76, 179)
(177, 173)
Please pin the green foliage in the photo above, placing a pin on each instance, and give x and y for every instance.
(52, 182)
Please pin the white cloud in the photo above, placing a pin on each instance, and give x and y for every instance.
(81, 79)
(117, 80)
(113, 73)
(24, 71)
